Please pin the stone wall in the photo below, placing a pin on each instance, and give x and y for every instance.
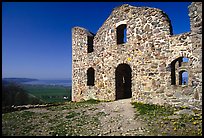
(149, 51)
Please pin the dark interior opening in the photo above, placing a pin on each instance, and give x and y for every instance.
(123, 81)
(90, 77)
(90, 44)
(173, 73)
(121, 34)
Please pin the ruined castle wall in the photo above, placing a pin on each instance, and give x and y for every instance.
(149, 51)
(188, 45)
(147, 29)
(79, 62)
(195, 13)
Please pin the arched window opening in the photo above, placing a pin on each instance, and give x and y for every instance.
(90, 44)
(90, 76)
(121, 34)
(183, 78)
(175, 65)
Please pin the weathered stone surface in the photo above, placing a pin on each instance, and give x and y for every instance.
(174, 117)
(149, 50)
(185, 111)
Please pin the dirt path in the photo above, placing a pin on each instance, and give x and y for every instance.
(120, 119)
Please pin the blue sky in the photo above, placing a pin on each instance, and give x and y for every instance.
(36, 36)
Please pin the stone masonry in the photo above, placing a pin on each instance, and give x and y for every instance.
(135, 55)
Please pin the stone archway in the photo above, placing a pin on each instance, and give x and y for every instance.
(123, 81)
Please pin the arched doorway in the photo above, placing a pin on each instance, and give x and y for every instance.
(123, 81)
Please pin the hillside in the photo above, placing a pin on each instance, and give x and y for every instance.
(14, 94)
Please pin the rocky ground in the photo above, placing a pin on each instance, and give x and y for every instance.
(94, 118)
(119, 119)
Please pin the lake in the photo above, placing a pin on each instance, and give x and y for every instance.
(50, 82)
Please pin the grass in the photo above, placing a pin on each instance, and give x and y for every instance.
(61, 120)
(74, 119)
(16, 123)
(159, 122)
(74, 105)
(90, 101)
(49, 94)
(72, 114)
(153, 110)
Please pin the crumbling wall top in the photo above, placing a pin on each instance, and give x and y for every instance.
(81, 29)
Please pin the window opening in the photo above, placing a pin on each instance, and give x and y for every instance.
(90, 44)
(121, 34)
(90, 76)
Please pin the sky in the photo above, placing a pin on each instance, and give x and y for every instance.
(36, 36)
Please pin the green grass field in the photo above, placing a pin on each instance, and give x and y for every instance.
(49, 94)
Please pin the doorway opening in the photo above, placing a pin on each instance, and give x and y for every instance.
(123, 81)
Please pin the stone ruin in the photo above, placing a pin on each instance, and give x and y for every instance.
(135, 55)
